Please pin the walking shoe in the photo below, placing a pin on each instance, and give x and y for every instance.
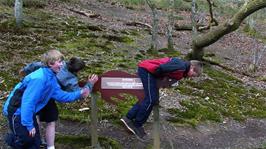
(9, 139)
(142, 129)
(43, 144)
(140, 134)
(128, 123)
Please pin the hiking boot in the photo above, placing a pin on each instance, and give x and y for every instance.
(128, 123)
(140, 134)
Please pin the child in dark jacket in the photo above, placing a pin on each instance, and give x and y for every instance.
(149, 71)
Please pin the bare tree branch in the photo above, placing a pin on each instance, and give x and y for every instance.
(228, 26)
(212, 20)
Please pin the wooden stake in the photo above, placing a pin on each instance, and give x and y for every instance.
(156, 127)
(94, 121)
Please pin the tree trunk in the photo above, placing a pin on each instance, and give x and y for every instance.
(154, 30)
(18, 12)
(203, 40)
(193, 18)
(154, 45)
(170, 25)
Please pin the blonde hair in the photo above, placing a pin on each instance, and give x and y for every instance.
(197, 66)
(51, 56)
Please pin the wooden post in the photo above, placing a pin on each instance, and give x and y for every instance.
(94, 121)
(156, 127)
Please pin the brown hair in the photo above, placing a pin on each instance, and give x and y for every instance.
(75, 64)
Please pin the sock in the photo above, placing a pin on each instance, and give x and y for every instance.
(50, 147)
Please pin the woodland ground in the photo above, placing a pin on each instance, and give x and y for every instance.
(233, 50)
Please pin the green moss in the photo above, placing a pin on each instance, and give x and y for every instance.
(133, 32)
(249, 30)
(183, 5)
(9, 81)
(5, 11)
(212, 58)
(74, 115)
(124, 39)
(262, 78)
(169, 52)
(95, 28)
(78, 141)
(26, 3)
(194, 112)
(263, 146)
(66, 1)
(3, 119)
(115, 112)
(125, 105)
(253, 33)
(112, 112)
(219, 96)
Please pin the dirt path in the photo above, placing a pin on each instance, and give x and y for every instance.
(250, 134)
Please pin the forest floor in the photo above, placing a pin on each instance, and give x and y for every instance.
(235, 51)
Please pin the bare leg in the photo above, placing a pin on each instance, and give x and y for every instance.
(50, 134)
(40, 126)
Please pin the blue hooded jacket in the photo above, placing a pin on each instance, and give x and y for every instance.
(67, 80)
(40, 87)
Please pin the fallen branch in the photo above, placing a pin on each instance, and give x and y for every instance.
(227, 68)
(139, 24)
(183, 27)
(189, 27)
(90, 14)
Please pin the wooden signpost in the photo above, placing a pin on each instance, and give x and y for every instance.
(110, 85)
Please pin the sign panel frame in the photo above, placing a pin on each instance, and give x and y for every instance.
(121, 83)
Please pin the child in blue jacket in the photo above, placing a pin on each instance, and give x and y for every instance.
(30, 95)
(149, 71)
(67, 78)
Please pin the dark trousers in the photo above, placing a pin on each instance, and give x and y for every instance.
(140, 112)
(19, 138)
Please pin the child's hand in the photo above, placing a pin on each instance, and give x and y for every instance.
(85, 92)
(32, 132)
(93, 79)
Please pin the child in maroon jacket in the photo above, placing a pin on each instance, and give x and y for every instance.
(149, 71)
